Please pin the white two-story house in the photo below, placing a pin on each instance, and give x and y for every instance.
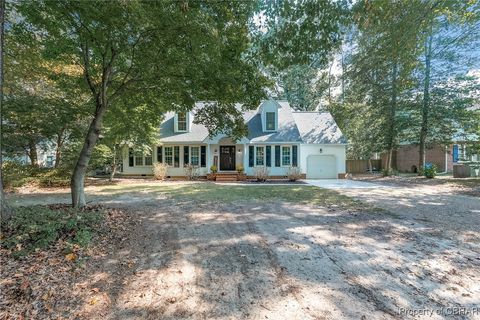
(278, 138)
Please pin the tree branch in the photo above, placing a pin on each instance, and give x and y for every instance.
(86, 67)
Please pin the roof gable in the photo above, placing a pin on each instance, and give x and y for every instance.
(287, 130)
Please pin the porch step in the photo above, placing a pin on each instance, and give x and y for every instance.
(226, 177)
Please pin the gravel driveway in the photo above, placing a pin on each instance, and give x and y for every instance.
(435, 206)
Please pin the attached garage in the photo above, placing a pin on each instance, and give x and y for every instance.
(321, 167)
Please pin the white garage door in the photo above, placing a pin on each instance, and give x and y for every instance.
(321, 167)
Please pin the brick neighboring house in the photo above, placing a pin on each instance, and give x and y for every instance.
(406, 157)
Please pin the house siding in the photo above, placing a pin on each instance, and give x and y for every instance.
(171, 171)
(273, 169)
(242, 157)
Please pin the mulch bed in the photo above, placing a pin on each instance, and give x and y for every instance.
(46, 284)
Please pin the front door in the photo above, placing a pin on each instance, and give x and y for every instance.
(227, 158)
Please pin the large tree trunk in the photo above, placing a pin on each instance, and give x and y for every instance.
(113, 168)
(80, 170)
(101, 102)
(112, 173)
(5, 211)
(425, 105)
(58, 149)
(389, 161)
(391, 119)
(32, 153)
(58, 155)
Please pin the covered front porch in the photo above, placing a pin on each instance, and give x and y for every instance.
(226, 155)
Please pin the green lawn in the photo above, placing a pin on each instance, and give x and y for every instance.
(210, 192)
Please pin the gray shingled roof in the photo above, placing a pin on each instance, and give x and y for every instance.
(197, 132)
(318, 127)
(301, 127)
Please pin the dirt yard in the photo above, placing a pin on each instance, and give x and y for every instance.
(203, 251)
(443, 183)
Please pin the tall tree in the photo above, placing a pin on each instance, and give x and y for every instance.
(304, 86)
(382, 64)
(165, 55)
(300, 32)
(5, 211)
(40, 111)
(451, 34)
(296, 40)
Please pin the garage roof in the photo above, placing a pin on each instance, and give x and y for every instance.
(318, 127)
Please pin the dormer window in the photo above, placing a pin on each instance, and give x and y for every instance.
(270, 121)
(182, 121)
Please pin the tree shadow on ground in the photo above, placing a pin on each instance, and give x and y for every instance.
(254, 259)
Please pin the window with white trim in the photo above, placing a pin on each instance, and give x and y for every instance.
(182, 121)
(142, 158)
(138, 158)
(168, 156)
(286, 155)
(259, 155)
(270, 121)
(195, 156)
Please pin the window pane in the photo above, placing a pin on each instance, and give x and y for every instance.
(182, 121)
(195, 156)
(285, 156)
(148, 159)
(130, 157)
(176, 156)
(260, 156)
(138, 158)
(203, 156)
(169, 156)
(270, 119)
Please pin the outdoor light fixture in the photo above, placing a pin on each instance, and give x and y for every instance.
(321, 150)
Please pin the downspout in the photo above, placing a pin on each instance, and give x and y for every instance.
(446, 159)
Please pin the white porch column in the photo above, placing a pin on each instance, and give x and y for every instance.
(245, 158)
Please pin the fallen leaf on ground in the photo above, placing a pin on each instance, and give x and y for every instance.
(71, 256)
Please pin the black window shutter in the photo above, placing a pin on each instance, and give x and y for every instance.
(130, 157)
(176, 156)
(277, 156)
(159, 154)
(203, 156)
(294, 156)
(269, 156)
(250, 156)
(185, 155)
